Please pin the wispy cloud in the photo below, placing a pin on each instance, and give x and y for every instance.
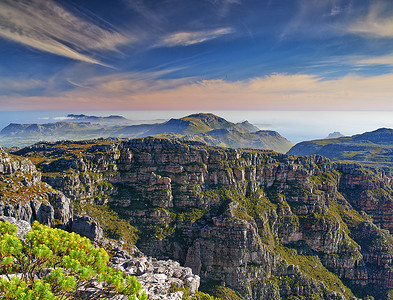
(378, 60)
(378, 23)
(12, 85)
(223, 6)
(45, 25)
(185, 38)
(274, 92)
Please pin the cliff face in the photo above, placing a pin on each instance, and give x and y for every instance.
(25, 197)
(266, 224)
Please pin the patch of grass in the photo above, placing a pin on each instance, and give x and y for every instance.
(312, 266)
(348, 218)
(192, 215)
(326, 177)
(113, 226)
(186, 292)
(221, 292)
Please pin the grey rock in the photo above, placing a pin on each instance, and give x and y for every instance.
(87, 227)
(156, 276)
(22, 226)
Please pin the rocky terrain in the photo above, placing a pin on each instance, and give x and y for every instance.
(24, 198)
(373, 148)
(267, 225)
(208, 128)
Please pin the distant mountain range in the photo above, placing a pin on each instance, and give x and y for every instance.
(207, 128)
(375, 147)
(82, 117)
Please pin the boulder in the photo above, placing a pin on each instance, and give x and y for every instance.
(86, 226)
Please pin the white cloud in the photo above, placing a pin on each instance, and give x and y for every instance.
(379, 60)
(44, 25)
(186, 38)
(378, 23)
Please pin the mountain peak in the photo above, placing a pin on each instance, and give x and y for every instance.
(205, 117)
(334, 135)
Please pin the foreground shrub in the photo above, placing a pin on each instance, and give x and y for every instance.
(55, 264)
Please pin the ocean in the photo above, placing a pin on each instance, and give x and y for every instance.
(296, 126)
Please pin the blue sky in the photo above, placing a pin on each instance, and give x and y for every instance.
(196, 55)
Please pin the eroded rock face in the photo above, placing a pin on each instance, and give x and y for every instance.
(257, 221)
(24, 196)
(86, 226)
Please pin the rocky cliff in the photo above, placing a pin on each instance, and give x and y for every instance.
(24, 196)
(269, 225)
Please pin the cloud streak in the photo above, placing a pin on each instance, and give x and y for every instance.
(46, 26)
(274, 92)
(377, 23)
(378, 60)
(14, 86)
(187, 38)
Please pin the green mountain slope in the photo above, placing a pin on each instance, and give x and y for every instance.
(375, 148)
(262, 139)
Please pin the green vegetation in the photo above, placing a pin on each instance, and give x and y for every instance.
(255, 206)
(218, 292)
(161, 232)
(371, 148)
(202, 296)
(55, 264)
(312, 266)
(113, 226)
(330, 177)
(186, 293)
(348, 218)
(191, 215)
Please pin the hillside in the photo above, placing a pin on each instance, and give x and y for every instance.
(266, 225)
(373, 148)
(208, 128)
(261, 139)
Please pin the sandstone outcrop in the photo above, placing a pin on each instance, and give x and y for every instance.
(25, 197)
(268, 225)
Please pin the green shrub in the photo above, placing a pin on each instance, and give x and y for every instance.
(55, 264)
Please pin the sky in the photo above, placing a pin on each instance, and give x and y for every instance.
(199, 55)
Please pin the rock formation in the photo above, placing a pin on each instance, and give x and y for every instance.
(268, 225)
(25, 197)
